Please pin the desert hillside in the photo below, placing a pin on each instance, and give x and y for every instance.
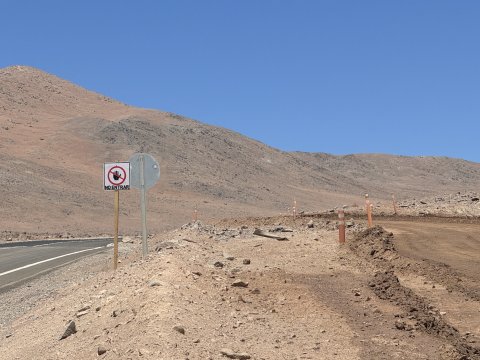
(55, 136)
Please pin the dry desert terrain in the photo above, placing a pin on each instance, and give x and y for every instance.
(407, 287)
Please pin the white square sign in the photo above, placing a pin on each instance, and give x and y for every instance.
(116, 176)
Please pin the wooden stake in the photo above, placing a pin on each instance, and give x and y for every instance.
(294, 208)
(341, 226)
(369, 215)
(394, 205)
(116, 210)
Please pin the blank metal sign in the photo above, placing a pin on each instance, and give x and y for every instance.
(151, 170)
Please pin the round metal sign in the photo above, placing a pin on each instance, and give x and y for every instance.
(151, 170)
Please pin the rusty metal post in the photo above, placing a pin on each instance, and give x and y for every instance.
(341, 226)
(369, 215)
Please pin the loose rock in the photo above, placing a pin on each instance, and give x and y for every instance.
(233, 355)
(101, 350)
(153, 283)
(239, 283)
(179, 329)
(70, 330)
(400, 325)
(81, 313)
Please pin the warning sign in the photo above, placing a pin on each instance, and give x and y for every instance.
(116, 176)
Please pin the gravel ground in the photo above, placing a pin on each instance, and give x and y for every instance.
(19, 301)
(219, 292)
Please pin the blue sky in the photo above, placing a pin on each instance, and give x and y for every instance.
(398, 77)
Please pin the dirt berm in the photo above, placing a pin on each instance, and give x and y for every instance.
(377, 246)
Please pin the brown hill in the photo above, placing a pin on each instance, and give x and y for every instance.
(55, 136)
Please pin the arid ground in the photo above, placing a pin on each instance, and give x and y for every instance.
(218, 291)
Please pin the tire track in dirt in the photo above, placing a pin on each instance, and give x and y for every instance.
(371, 319)
(455, 245)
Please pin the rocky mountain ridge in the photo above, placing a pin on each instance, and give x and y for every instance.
(55, 136)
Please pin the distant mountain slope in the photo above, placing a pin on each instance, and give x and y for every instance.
(55, 136)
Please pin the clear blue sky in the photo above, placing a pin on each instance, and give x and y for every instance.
(399, 77)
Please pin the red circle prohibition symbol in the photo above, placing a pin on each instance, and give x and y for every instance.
(116, 176)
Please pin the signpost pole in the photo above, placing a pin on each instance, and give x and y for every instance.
(115, 238)
(116, 177)
(143, 206)
(145, 172)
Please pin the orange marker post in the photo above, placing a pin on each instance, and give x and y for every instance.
(341, 226)
(369, 215)
(366, 203)
(195, 215)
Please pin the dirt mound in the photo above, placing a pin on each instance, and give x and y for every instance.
(377, 246)
(419, 315)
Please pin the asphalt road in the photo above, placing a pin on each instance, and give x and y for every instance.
(21, 262)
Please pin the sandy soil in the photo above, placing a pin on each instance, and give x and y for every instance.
(305, 298)
(455, 245)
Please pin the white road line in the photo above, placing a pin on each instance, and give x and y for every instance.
(47, 260)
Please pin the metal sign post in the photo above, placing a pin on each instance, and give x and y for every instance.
(145, 173)
(143, 205)
(116, 177)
